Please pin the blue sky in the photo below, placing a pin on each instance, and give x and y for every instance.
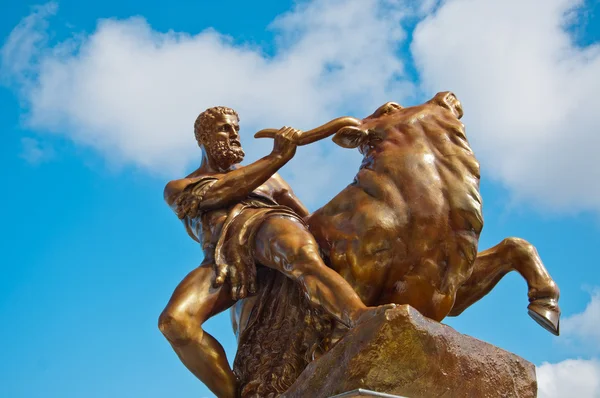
(96, 113)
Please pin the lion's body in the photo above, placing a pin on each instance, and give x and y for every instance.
(406, 230)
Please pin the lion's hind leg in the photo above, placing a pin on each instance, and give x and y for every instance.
(513, 254)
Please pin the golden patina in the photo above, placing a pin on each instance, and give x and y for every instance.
(404, 232)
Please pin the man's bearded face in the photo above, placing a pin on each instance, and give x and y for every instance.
(223, 143)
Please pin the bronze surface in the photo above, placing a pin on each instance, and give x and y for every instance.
(405, 231)
(242, 216)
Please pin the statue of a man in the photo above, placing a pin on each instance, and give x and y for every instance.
(242, 216)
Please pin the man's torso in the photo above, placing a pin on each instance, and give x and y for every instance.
(207, 226)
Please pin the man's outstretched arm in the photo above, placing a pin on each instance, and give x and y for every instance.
(235, 185)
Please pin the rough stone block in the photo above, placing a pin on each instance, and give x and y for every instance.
(402, 352)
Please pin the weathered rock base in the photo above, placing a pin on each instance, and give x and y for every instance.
(403, 353)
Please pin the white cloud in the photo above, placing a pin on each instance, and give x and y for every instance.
(584, 328)
(530, 95)
(570, 378)
(20, 51)
(133, 93)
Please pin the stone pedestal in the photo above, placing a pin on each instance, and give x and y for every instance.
(403, 353)
(365, 393)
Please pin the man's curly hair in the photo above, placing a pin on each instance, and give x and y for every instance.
(205, 121)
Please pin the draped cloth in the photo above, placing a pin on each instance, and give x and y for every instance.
(235, 245)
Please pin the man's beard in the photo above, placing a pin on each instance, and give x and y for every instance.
(225, 155)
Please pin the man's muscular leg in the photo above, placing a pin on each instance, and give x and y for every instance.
(286, 245)
(193, 302)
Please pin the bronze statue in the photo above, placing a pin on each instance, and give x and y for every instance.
(242, 215)
(405, 231)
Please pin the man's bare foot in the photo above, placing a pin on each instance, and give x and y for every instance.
(371, 312)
